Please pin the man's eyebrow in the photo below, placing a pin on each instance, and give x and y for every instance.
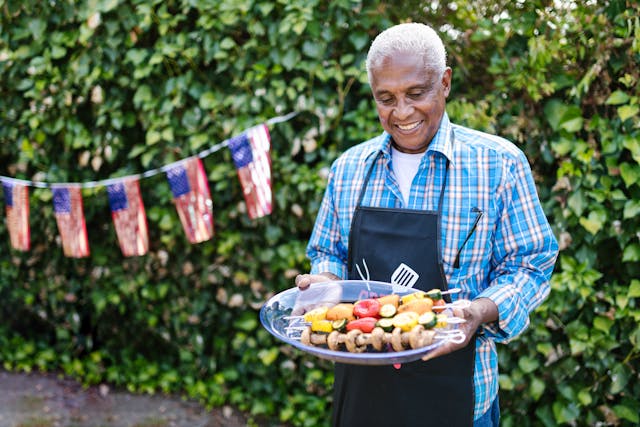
(381, 92)
(426, 86)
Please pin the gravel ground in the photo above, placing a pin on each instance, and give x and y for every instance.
(45, 400)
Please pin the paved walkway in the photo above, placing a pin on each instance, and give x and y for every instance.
(44, 400)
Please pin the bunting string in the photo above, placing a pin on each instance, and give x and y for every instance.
(147, 174)
(189, 185)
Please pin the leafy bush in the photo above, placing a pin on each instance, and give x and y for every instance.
(108, 88)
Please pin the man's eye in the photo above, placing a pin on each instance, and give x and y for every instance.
(385, 101)
(415, 95)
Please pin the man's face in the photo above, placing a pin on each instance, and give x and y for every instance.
(410, 99)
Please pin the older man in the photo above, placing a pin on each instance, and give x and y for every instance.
(457, 206)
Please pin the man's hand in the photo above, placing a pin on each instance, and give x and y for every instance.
(324, 295)
(481, 310)
(304, 280)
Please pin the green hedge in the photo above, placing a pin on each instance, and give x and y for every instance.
(107, 88)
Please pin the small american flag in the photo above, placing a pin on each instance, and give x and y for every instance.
(16, 197)
(129, 218)
(250, 152)
(190, 188)
(67, 205)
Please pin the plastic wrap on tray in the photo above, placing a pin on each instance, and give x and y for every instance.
(283, 316)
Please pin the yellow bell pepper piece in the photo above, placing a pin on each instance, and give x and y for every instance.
(411, 297)
(319, 313)
(406, 321)
(322, 326)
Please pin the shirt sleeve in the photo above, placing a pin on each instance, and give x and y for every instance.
(326, 249)
(524, 254)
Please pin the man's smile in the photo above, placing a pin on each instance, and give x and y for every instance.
(409, 126)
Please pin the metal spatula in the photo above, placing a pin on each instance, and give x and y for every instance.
(404, 276)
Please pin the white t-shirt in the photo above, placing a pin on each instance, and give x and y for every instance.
(405, 166)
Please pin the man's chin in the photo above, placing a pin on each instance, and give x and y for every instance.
(409, 145)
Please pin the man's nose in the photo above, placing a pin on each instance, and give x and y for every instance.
(403, 110)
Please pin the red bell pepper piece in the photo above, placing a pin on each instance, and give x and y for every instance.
(367, 308)
(365, 324)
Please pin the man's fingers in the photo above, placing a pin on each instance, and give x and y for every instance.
(303, 281)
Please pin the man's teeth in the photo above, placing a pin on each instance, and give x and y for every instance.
(409, 126)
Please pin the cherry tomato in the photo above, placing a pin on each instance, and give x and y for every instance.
(365, 324)
(367, 308)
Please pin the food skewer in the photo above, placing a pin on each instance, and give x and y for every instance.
(356, 341)
(298, 322)
(461, 303)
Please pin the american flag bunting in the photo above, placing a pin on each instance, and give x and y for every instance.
(251, 155)
(129, 217)
(16, 197)
(190, 188)
(68, 208)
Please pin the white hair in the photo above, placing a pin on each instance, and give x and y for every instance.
(419, 39)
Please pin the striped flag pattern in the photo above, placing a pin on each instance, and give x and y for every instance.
(16, 198)
(129, 218)
(68, 209)
(190, 188)
(251, 155)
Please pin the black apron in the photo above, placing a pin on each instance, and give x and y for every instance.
(438, 392)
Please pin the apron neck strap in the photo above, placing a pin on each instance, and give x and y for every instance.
(366, 178)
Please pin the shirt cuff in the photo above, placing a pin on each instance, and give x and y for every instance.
(329, 265)
(513, 316)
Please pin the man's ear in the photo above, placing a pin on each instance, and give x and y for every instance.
(446, 81)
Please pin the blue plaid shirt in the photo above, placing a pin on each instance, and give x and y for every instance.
(508, 259)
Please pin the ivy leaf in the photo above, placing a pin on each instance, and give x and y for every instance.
(584, 396)
(620, 375)
(37, 28)
(630, 173)
(506, 383)
(142, 96)
(565, 413)
(631, 253)
(577, 203)
(536, 388)
(290, 59)
(562, 116)
(627, 111)
(634, 289)
(268, 356)
(562, 147)
(572, 125)
(153, 137)
(603, 324)
(618, 97)
(528, 364)
(629, 414)
(247, 322)
(107, 5)
(208, 101)
(593, 223)
(632, 144)
(553, 112)
(359, 40)
(631, 209)
(58, 52)
(312, 49)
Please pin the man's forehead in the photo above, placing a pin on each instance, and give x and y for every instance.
(385, 78)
